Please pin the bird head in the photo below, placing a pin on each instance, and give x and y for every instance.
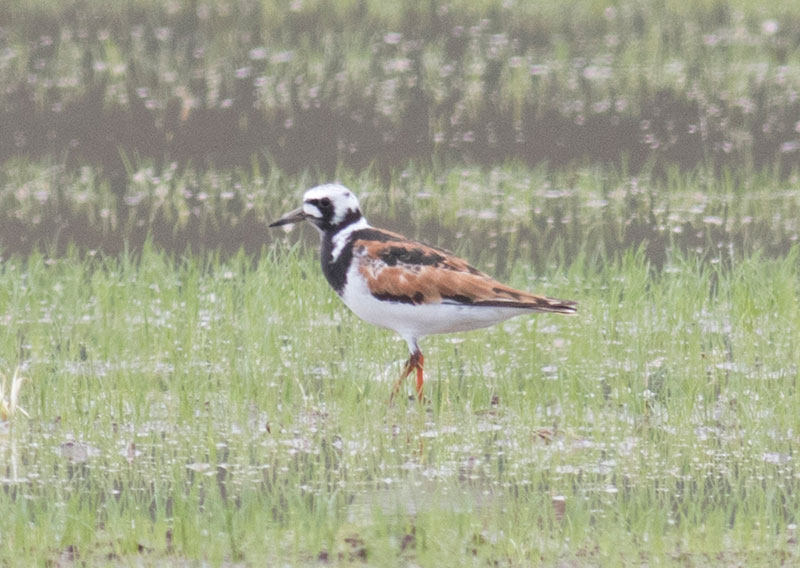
(328, 207)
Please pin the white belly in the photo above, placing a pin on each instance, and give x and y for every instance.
(419, 320)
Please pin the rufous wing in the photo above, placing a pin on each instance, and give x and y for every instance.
(397, 269)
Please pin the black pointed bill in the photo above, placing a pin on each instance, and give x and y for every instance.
(291, 217)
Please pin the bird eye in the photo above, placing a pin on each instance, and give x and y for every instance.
(325, 202)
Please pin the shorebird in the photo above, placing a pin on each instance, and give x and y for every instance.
(407, 286)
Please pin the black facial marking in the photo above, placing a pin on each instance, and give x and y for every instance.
(419, 297)
(323, 204)
(328, 211)
(350, 217)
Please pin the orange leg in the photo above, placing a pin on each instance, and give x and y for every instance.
(414, 363)
(420, 361)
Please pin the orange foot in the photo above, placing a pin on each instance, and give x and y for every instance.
(414, 363)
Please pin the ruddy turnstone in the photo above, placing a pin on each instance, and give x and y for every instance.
(410, 287)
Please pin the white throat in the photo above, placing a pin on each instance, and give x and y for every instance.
(340, 238)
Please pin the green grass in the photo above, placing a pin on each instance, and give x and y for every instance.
(197, 395)
(235, 411)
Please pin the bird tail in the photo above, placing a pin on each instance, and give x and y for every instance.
(554, 305)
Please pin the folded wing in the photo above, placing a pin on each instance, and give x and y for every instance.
(401, 270)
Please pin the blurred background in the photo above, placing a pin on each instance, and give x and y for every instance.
(199, 396)
(123, 119)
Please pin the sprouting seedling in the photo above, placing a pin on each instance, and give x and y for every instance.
(9, 406)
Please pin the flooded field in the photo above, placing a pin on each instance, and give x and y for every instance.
(179, 385)
(313, 84)
(231, 411)
(495, 216)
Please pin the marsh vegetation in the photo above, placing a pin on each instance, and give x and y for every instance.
(190, 391)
